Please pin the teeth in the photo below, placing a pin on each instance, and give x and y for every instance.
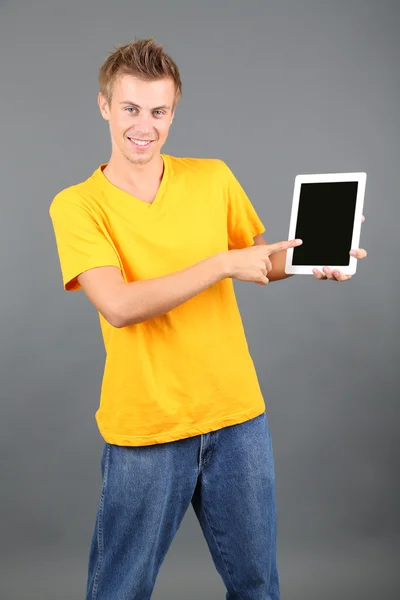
(140, 142)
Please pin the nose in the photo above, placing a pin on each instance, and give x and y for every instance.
(144, 123)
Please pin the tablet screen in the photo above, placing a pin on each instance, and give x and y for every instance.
(325, 223)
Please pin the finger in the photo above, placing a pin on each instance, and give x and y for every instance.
(358, 253)
(318, 274)
(263, 282)
(362, 219)
(328, 273)
(285, 245)
(339, 276)
(268, 264)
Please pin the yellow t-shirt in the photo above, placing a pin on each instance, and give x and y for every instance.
(189, 371)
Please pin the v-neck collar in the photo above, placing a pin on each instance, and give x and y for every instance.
(136, 203)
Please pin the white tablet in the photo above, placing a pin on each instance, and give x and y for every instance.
(326, 214)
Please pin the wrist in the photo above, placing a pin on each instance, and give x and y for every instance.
(224, 264)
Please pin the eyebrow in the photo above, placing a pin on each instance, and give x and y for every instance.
(164, 106)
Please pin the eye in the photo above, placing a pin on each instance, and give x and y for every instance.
(159, 113)
(128, 108)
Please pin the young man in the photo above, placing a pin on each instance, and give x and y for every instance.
(155, 242)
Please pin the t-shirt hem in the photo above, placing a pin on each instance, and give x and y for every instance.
(172, 436)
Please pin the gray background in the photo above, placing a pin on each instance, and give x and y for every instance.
(274, 89)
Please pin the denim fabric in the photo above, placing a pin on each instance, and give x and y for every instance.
(227, 476)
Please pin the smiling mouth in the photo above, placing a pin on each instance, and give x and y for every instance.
(143, 144)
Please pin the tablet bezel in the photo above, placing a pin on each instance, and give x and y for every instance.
(361, 178)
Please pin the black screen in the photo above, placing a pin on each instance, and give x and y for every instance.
(325, 223)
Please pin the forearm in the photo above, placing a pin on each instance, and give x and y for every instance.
(277, 272)
(142, 300)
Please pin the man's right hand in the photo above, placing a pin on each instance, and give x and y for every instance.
(252, 264)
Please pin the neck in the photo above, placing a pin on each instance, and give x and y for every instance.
(126, 172)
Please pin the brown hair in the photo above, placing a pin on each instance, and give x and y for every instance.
(142, 58)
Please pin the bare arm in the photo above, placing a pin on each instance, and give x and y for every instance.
(124, 304)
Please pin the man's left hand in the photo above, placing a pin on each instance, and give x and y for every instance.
(338, 275)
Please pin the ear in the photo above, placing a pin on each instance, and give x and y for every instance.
(103, 105)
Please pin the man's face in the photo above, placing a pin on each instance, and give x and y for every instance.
(139, 117)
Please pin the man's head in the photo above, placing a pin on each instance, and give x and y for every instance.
(140, 87)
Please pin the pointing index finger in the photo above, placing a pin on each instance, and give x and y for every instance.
(285, 245)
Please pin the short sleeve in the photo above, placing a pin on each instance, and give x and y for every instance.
(243, 221)
(81, 243)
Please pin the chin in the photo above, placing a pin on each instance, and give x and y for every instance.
(140, 160)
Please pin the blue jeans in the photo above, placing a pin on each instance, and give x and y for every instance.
(227, 476)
